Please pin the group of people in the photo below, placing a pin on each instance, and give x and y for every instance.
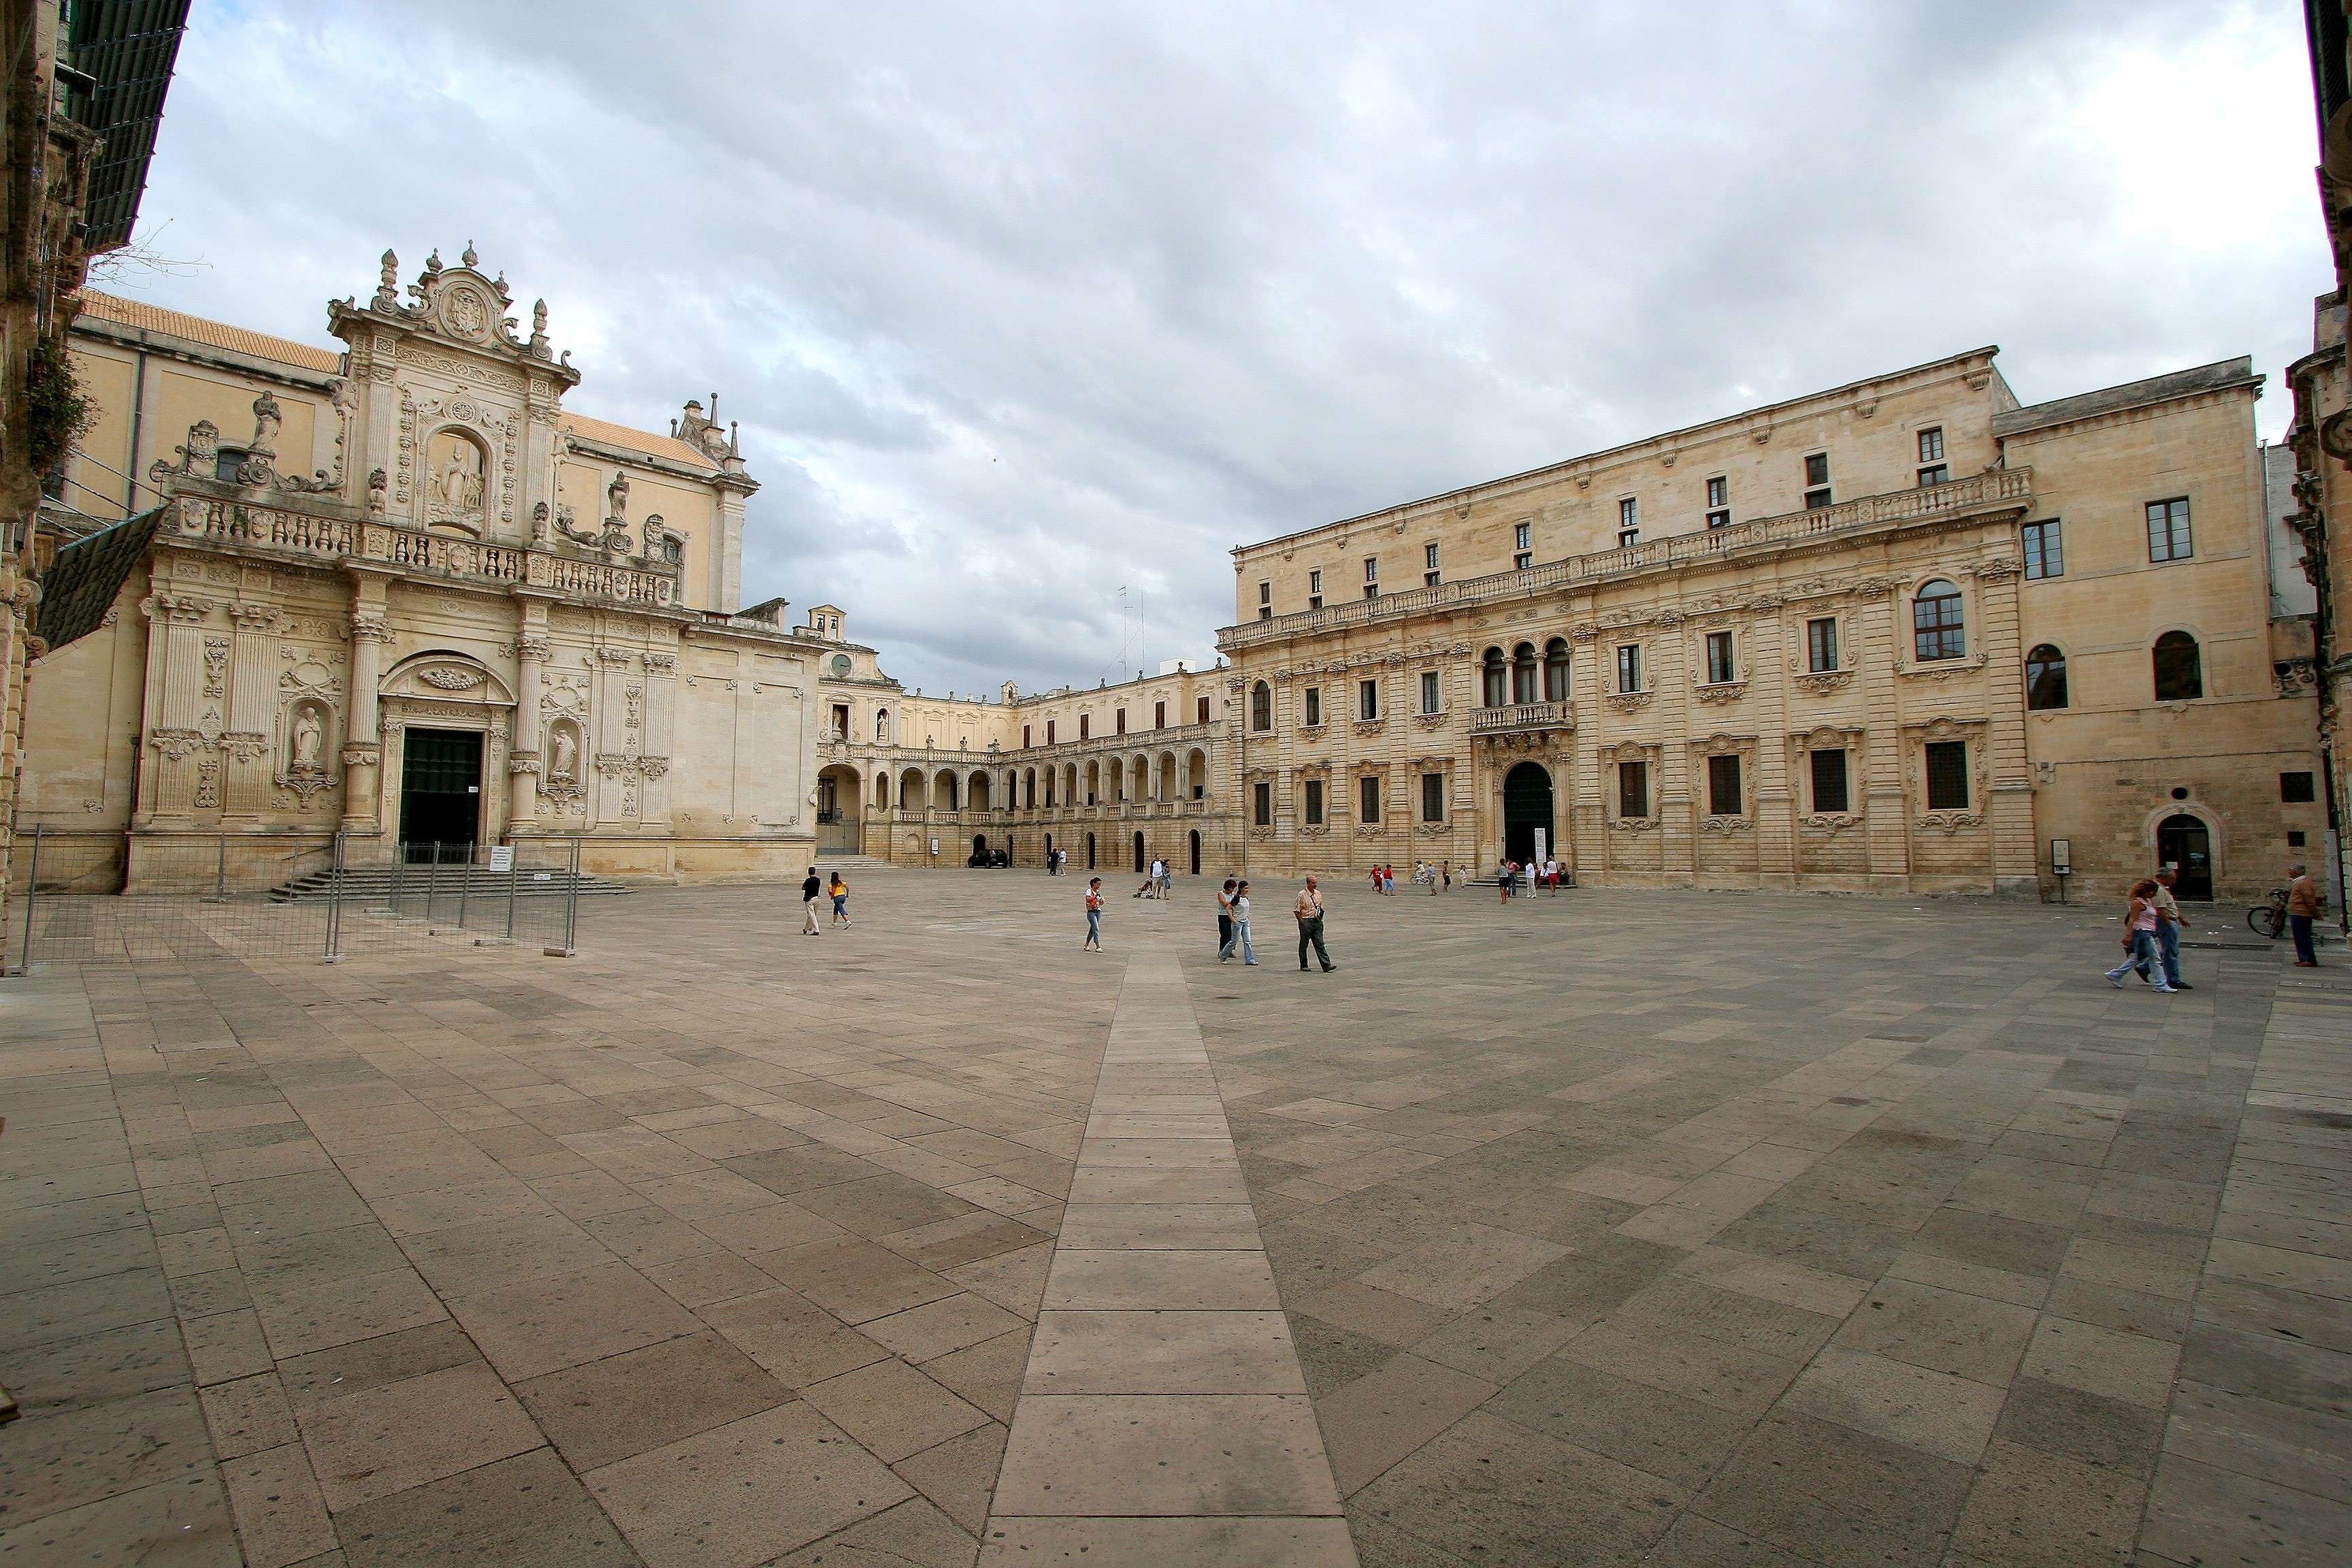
(814, 887)
(1158, 884)
(1545, 873)
(1234, 934)
(2151, 940)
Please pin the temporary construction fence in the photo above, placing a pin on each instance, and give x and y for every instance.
(77, 897)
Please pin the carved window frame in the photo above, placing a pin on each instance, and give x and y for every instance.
(1720, 745)
(1829, 738)
(1607, 760)
(1916, 738)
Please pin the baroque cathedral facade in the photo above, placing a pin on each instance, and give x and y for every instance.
(1905, 635)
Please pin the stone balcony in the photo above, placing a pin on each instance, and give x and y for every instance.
(1522, 718)
(331, 536)
(2001, 491)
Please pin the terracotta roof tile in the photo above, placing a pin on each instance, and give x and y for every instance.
(149, 318)
(610, 435)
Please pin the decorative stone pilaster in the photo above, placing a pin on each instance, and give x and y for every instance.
(532, 648)
(362, 755)
(1885, 814)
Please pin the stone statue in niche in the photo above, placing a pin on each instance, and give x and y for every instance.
(564, 753)
(454, 481)
(309, 736)
(617, 515)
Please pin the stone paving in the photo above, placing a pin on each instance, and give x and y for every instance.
(1615, 1228)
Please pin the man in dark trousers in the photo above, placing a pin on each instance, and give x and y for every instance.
(1225, 915)
(1310, 927)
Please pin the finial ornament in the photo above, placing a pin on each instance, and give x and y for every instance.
(387, 287)
(466, 257)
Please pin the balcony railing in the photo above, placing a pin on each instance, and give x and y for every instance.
(2003, 489)
(1522, 717)
(325, 538)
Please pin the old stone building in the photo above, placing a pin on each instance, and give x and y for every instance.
(1903, 635)
(1117, 776)
(400, 592)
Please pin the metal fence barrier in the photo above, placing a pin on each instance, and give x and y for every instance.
(102, 897)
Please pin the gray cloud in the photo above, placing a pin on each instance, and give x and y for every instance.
(1022, 305)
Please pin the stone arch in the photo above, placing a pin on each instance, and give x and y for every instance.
(1196, 774)
(914, 793)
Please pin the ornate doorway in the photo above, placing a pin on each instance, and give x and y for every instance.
(2182, 840)
(440, 790)
(1527, 808)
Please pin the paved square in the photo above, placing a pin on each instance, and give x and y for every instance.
(1663, 1228)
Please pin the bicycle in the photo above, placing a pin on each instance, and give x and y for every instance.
(2270, 919)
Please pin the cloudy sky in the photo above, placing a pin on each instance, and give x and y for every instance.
(1023, 304)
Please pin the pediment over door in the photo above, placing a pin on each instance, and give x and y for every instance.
(445, 677)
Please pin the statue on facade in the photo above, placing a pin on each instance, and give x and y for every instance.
(308, 734)
(562, 753)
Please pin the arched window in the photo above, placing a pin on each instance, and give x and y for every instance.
(1493, 688)
(1523, 673)
(1261, 707)
(1936, 629)
(2180, 668)
(2046, 677)
(1556, 671)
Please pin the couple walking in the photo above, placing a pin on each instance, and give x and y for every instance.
(1234, 925)
(811, 888)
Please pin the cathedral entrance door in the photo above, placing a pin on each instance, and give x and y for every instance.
(1526, 806)
(440, 790)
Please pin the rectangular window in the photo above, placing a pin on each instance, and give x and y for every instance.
(1086, 724)
(2045, 549)
(1371, 576)
(1314, 706)
(1262, 804)
(1525, 536)
(1314, 589)
(1367, 699)
(1719, 501)
(1817, 481)
(1947, 775)
(1720, 670)
(1934, 474)
(1632, 791)
(1024, 737)
(1049, 732)
(1523, 560)
(1723, 786)
(1829, 781)
(1314, 803)
(2168, 530)
(1629, 513)
(1201, 711)
(1430, 695)
(1368, 789)
(1628, 668)
(2295, 789)
(1159, 715)
(1120, 719)
(1931, 445)
(1428, 565)
(1821, 645)
(1266, 601)
(1433, 798)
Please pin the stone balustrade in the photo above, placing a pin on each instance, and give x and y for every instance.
(338, 539)
(2002, 490)
(1522, 717)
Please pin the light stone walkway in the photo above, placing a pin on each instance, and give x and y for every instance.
(1164, 1419)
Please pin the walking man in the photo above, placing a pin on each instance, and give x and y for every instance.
(1225, 916)
(2168, 927)
(2303, 902)
(810, 888)
(1241, 931)
(1094, 914)
(1310, 927)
